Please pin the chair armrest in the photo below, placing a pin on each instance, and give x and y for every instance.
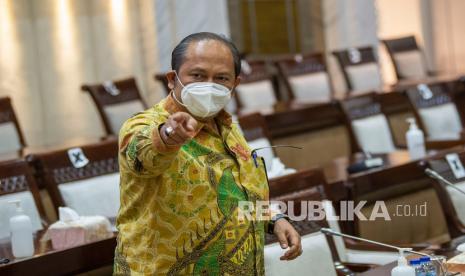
(443, 144)
(359, 267)
(342, 270)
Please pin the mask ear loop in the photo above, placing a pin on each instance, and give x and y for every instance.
(174, 94)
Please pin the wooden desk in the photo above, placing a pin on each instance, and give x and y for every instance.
(337, 176)
(292, 117)
(445, 250)
(60, 262)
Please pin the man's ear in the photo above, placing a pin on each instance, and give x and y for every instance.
(237, 82)
(171, 77)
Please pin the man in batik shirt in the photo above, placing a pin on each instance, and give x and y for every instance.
(185, 167)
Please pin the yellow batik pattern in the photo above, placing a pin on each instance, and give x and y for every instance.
(178, 213)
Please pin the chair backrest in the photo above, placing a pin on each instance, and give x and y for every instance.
(254, 126)
(306, 78)
(84, 178)
(368, 127)
(316, 257)
(161, 77)
(258, 89)
(11, 136)
(435, 111)
(407, 57)
(406, 186)
(257, 134)
(360, 68)
(452, 201)
(319, 251)
(17, 183)
(116, 102)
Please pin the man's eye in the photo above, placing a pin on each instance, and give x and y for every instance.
(197, 76)
(223, 78)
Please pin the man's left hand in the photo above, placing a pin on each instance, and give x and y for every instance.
(288, 238)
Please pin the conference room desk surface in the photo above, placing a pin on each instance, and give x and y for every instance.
(47, 261)
(337, 176)
(447, 250)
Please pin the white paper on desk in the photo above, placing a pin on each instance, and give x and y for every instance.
(67, 214)
(278, 169)
(455, 165)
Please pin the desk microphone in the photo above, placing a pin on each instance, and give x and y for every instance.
(331, 232)
(441, 179)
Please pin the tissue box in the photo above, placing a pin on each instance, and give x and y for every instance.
(457, 264)
(77, 232)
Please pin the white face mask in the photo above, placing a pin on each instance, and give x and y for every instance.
(204, 99)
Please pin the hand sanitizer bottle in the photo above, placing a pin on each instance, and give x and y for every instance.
(402, 269)
(415, 140)
(22, 240)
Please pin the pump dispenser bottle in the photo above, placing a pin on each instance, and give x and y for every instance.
(415, 140)
(402, 268)
(22, 240)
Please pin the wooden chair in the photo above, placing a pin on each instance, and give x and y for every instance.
(452, 201)
(254, 127)
(258, 89)
(306, 78)
(258, 137)
(407, 57)
(85, 179)
(161, 77)
(309, 186)
(369, 129)
(360, 69)
(436, 114)
(17, 183)
(116, 102)
(11, 136)
(397, 187)
(318, 248)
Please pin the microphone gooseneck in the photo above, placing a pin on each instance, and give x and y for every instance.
(441, 179)
(331, 232)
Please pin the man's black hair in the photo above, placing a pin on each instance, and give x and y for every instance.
(179, 52)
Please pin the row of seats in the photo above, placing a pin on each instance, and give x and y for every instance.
(306, 78)
(433, 105)
(85, 179)
(82, 177)
(434, 108)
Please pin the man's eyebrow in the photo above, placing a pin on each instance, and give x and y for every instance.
(197, 69)
(224, 74)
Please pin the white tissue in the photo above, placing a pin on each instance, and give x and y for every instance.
(279, 169)
(67, 214)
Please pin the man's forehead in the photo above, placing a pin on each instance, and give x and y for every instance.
(209, 51)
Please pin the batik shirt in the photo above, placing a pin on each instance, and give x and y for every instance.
(179, 204)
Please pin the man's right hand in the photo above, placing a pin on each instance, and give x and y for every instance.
(178, 129)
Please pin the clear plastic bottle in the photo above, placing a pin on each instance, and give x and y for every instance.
(22, 240)
(416, 264)
(428, 266)
(415, 140)
(402, 269)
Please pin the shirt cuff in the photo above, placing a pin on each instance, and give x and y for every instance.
(159, 145)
